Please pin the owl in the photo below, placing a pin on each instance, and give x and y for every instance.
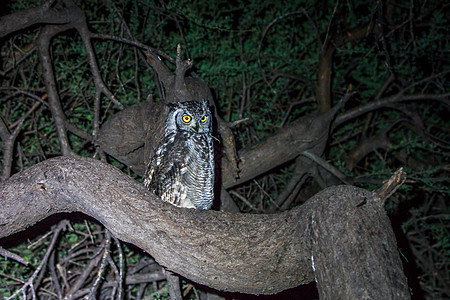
(181, 170)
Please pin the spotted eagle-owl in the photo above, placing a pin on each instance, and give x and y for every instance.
(181, 171)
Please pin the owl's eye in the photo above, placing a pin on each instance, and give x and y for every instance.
(186, 118)
(203, 119)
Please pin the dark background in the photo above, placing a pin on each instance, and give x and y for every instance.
(267, 64)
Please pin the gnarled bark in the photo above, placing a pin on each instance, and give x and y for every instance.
(260, 254)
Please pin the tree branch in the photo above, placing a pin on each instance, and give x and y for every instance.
(384, 102)
(36, 15)
(43, 42)
(100, 86)
(306, 133)
(43, 264)
(391, 185)
(125, 144)
(325, 68)
(212, 248)
(339, 253)
(8, 146)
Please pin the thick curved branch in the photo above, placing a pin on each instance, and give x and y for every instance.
(260, 254)
(213, 248)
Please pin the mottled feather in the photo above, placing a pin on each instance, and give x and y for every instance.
(181, 171)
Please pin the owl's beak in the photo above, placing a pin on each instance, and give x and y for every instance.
(195, 127)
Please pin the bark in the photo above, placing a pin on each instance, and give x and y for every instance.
(38, 15)
(43, 43)
(344, 229)
(8, 139)
(124, 135)
(307, 133)
(356, 257)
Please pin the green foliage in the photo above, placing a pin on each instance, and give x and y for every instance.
(164, 295)
(260, 58)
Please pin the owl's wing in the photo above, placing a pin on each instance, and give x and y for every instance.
(173, 186)
(165, 171)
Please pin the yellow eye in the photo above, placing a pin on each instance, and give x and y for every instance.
(203, 119)
(186, 119)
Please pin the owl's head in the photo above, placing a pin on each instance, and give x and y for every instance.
(189, 116)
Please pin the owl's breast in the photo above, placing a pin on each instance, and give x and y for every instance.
(198, 174)
(181, 171)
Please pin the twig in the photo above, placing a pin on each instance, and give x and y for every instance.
(291, 106)
(298, 178)
(243, 199)
(101, 269)
(391, 185)
(17, 62)
(132, 42)
(8, 139)
(121, 269)
(371, 106)
(327, 166)
(54, 276)
(238, 122)
(5, 253)
(29, 283)
(85, 274)
(186, 50)
(182, 67)
(329, 25)
(173, 283)
(264, 191)
(380, 21)
(263, 37)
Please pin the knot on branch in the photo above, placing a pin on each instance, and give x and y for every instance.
(174, 86)
(182, 67)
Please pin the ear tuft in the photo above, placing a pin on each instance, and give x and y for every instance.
(205, 103)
